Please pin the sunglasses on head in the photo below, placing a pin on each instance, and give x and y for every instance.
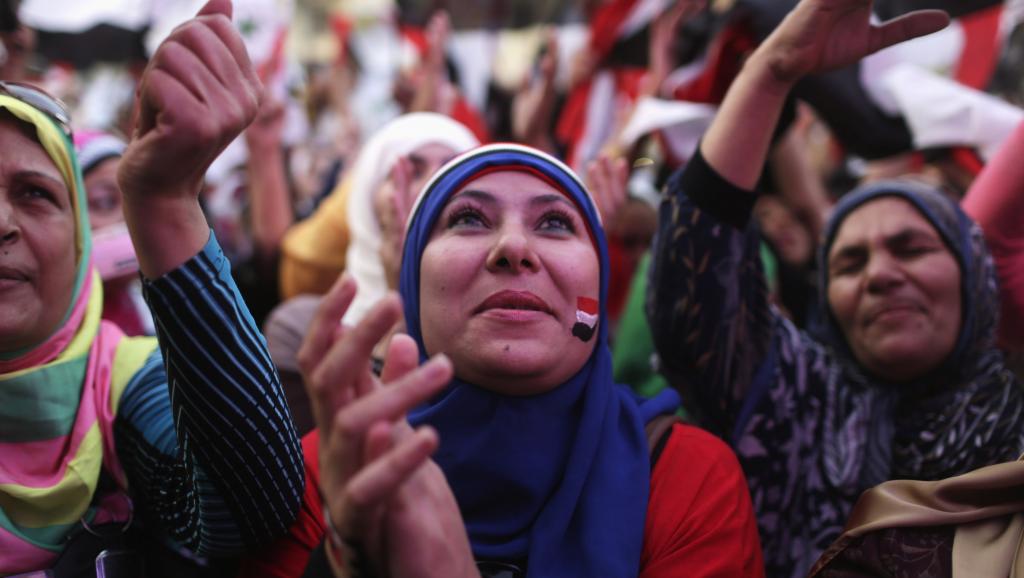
(40, 100)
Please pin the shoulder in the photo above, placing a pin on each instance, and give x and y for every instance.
(700, 520)
(692, 454)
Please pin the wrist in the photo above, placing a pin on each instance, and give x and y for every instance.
(769, 72)
(346, 556)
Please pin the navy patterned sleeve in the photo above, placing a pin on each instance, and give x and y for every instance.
(707, 300)
(203, 429)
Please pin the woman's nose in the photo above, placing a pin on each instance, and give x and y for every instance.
(883, 272)
(512, 252)
(9, 229)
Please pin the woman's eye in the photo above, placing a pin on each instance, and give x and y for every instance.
(557, 222)
(846, 268)
(33, 192)
(466, 218)
(915, 250)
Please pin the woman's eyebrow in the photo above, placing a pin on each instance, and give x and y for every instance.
(40, 175)
(549, 198)
(909, 234)
(481, 196)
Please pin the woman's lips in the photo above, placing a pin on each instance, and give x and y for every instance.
(11, 277)
(514, 304)
(890, 310)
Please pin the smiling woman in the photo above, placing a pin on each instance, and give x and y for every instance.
(543, 465)
(904, 381)
(90, 437)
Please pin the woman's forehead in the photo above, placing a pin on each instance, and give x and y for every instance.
(513, 186)
(882, 217)
(22, 152)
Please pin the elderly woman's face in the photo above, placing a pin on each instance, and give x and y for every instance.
(37, 241)
(894, 289)
(500, 278)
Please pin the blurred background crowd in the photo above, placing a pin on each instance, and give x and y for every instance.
(620, 89)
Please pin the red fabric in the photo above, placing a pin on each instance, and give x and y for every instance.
(725, 58)
(605, 25)
(981, 47)
(465, 113)
(572, 120)
(996, 203)
(288, 556)
(700, 521)
(620, 276)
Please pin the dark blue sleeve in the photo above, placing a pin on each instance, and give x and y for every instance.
(707, 301)
(203, 429)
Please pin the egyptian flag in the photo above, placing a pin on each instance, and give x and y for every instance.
(586, 318)
(618, 42)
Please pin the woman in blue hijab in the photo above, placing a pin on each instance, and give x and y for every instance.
(542, 464)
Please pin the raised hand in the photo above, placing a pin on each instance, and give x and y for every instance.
(817, 36)
(196, 95)
(820, 35)
(394, 203)
(198, 92)
(664, 31)
(607, 182)
(380, 486)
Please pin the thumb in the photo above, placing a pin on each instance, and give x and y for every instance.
(214, 7)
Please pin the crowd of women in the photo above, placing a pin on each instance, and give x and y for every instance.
(480, 361)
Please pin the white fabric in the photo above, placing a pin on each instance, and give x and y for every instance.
(681, 123)
(376, 159)
(81, 15)
(942, 112)
(938, 52)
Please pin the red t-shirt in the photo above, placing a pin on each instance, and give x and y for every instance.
(700, 522)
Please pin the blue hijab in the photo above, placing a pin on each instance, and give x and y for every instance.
(560, 479)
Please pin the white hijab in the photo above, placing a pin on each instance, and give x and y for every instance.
(378, 156)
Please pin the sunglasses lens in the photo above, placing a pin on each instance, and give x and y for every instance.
(40, 100)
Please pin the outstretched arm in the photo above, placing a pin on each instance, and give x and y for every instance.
(817, 36)
(706, 300)
(207, 440)
(196, 95)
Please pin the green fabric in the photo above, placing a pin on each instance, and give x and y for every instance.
(634, 346)
(52, 409)
(771, 268)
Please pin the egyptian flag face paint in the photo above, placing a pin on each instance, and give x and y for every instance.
(586, 318)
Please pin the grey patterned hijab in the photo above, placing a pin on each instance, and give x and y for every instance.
(966, 414)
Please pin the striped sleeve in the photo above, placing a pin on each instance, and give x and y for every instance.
(206, 439)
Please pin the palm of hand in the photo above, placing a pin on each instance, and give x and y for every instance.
(821, 35)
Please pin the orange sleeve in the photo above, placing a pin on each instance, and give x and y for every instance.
(700, 521)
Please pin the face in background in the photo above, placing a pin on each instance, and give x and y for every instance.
(37, 240)
(894, 289)
(790, 238)
(499, 282)
(104, 194)
(418, 167)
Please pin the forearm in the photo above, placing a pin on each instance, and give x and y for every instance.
(230, 415)
(706, 299)
(166, 230)
(737, 142)
(271, 201)
(996, 199)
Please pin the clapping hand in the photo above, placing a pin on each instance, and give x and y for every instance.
(381, 488)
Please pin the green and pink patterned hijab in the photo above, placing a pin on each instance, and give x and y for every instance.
(59, 398)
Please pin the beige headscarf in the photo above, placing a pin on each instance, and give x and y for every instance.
(986, 506)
